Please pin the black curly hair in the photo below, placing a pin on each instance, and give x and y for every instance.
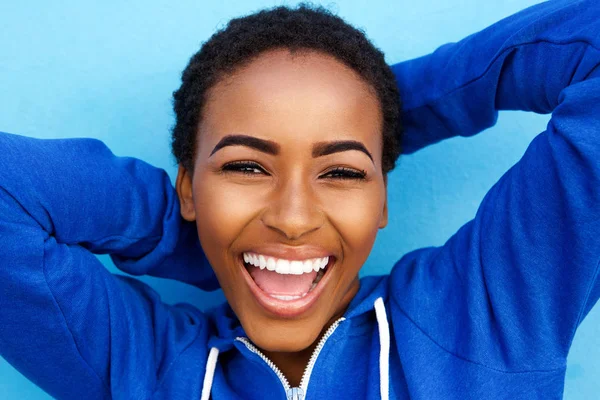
(304, 27)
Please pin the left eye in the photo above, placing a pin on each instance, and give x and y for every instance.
(244, 167)
(345, 173)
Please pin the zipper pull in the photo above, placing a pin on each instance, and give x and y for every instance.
(295, 394)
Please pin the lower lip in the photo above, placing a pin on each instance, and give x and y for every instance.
(288, 308)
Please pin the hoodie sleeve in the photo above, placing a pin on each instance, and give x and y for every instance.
(511, 287)
(66, 323)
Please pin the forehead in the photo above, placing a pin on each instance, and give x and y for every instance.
(295, 99)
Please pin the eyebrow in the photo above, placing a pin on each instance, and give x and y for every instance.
(266, 146)
(326, 148)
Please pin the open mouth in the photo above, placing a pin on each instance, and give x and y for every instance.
(286, 287)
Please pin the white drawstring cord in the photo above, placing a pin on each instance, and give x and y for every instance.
(384, 350)
(211, 364)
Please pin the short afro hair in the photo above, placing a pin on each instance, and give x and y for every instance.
(304, 27)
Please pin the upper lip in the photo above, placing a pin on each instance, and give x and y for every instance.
(291, 253)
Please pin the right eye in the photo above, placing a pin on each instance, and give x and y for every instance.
(243, 167)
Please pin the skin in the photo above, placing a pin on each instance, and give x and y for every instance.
(292, 199)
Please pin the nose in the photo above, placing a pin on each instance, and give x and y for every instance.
(294, 210)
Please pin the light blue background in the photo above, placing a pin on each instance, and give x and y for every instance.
(107, 70)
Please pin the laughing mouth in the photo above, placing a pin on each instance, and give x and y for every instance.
(286, 280)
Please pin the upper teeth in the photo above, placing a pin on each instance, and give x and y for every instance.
(282, 266)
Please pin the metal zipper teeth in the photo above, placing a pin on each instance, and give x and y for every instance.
(309, 367)
(313, 358)
(271, 364)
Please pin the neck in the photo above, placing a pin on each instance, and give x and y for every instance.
(292, 365)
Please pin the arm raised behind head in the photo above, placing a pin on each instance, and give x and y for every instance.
(520, 277)
(66, 323)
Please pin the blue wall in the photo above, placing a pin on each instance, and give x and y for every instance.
(107, 70)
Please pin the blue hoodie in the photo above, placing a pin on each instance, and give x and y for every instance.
(489, 315)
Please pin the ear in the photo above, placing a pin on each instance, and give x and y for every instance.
(183, 185)
(384, 216)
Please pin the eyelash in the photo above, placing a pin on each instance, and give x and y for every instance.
(243, 167)
(247, 168)
(348, 173)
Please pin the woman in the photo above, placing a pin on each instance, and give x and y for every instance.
(287, 124)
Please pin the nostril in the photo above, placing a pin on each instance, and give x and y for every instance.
(293, 233)
(293, 223)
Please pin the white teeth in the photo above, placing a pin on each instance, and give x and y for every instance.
(307, 266)
(320, 263)
(296, 267)
(282, 266)
(284, 297)
(317, 264)
(262, 262)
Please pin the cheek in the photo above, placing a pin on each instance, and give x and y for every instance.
(223, 209)
(356, 216)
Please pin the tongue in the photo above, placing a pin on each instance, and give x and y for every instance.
(279, 284)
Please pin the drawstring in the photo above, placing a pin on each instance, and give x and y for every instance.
(384, 350)
(384, 354)
(211, 364)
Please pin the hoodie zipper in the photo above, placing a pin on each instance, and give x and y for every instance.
(271, 364)
(313, 358)
(294, 393)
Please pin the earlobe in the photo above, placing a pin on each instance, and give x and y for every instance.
(384, 215)
(183, 185)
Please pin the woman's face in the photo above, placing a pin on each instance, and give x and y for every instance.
(287, 175)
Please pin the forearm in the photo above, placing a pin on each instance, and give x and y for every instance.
(523, 62)
(80, 193)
